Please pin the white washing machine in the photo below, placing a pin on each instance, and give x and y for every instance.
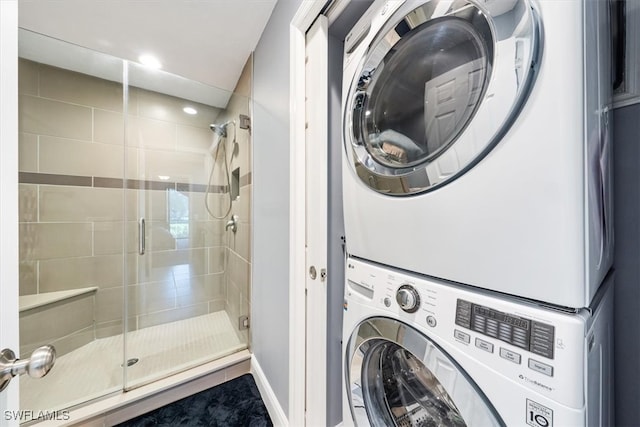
(420, 353)
(477, 143)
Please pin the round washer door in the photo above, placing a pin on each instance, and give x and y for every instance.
(438, 86)
(397, 376)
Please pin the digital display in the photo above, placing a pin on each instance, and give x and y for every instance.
(533, 336)
(501, 317)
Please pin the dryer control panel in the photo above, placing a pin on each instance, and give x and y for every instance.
(536, 337)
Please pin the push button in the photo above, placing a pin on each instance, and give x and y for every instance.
(543, 368)
(431, 321)
(484, 345)
(511, 356)
(461, 336)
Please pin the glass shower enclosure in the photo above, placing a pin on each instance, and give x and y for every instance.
(123, 266)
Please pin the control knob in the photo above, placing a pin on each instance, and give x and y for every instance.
(408, 298)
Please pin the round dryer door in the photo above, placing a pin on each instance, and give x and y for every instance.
(436, 89)
(396, 376)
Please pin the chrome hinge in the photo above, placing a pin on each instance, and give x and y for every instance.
(243, 322)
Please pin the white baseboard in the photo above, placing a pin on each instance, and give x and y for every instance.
(268, 396)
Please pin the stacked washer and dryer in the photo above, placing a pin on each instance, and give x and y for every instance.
(477, 204)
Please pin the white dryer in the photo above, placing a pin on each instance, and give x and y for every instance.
(477, 143)
(420, 353)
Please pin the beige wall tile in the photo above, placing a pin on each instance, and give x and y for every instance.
(167, 316)
(108, 127)
(61, 203)
(133, 207)
(107, 238)
(147, 270)
(218, 204)
(27, 152)
(152, 297)
(183, 263)
(56, 320)
(150, 134)
(158, 106)
(216, 305)
(54, 240)
(217, 259)
(240, 241)
(73, 273)
(109, 304)
(27, 203)
(190, 291)
(28, 277)
(70, 157)
(48, 117)
(74, 341)
(28, 77)
(115, 327)
(181, 167)
(239, 271)
(204, 234)
(194, 139)
(77, 88)
(243, 86)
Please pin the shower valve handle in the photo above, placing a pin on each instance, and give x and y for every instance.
(37, 366)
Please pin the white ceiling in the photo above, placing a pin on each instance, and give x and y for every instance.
(204, 40)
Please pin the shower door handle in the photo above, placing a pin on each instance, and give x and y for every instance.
(142, 240)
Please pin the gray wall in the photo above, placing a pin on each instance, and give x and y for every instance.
(270, 297)
(626, 153)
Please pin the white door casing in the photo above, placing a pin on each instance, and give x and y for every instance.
(316, 140)
(9, 196)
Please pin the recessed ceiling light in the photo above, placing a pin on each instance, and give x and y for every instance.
(164, 177)
(190, 110)
(150, 61)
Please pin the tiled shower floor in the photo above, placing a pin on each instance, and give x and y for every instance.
(95, 369)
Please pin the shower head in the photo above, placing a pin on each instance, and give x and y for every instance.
(220, 130)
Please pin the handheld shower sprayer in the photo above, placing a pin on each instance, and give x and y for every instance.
(221, 131)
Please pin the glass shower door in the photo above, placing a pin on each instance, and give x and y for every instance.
(178, 262)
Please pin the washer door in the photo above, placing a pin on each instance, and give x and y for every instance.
(437, 88)
(397, 376)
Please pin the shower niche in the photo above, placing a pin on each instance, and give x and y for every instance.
(121, 258)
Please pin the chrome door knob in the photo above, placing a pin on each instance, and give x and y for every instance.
(408, 298)
(37, 366)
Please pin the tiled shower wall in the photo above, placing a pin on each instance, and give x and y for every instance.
(72, 226)
(238, 245)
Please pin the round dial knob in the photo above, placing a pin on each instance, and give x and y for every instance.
(408, 298)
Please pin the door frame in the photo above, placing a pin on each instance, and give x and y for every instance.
(302, 21)
(9, 247)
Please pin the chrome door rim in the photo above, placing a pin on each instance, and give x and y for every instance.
(479, 134)
(417, 344)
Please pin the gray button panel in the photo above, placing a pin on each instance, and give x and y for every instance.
(484, 345)
(543, 368)
(461, 336)
(511, 356)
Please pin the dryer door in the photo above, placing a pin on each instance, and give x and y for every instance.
(397, 376)
(436, 89)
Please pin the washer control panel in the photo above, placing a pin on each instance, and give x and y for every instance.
(536, 337)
